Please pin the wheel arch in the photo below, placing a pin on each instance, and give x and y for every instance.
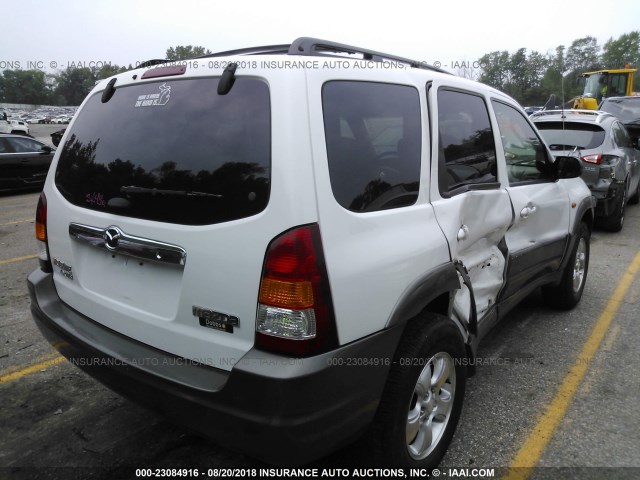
(431, 292)
(434, 292)
(584, 213)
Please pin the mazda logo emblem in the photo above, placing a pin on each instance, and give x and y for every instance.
(111, 237)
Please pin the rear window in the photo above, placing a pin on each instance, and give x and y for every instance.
(172, 151)
(582, 135)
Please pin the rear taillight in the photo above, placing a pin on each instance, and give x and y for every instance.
(41, 234)
(595, 158)
(295, 312)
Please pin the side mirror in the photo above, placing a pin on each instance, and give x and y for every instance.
(46, 149)
(567, 167)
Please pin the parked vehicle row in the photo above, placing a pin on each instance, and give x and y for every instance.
(43, 115)
(49, 119)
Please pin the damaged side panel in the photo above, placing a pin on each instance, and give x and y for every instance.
(475, 233)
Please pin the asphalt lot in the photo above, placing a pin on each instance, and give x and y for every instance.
(55, 419)
(43, 132)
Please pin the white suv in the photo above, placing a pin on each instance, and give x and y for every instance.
(284, 250)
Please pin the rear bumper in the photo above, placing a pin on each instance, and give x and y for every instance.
(278, 409)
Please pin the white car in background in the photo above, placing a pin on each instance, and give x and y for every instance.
(61, 119)
(19, 127)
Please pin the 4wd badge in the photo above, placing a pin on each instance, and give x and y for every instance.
(216, 320)
(155, 99)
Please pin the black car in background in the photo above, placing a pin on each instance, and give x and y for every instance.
(627, 110)
(24, 162)
(57, 136)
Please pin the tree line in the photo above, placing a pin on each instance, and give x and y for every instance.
(528, 76)
(70, 86)
(531, 77)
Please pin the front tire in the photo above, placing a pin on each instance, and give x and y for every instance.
(423, 397)
(568, 292)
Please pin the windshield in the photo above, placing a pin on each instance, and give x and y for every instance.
(627, 110)
(602, 85)
(172, 151)
(581, 135)
(592, 87)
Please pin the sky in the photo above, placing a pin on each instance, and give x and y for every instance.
(52, 35)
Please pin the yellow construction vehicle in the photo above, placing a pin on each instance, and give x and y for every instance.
(604, 83)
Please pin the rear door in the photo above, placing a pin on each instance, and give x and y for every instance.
(623, 141)
(472, 208)
(537, 239)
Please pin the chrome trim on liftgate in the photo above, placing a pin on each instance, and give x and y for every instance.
(113, 239)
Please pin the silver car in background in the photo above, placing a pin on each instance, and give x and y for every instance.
(610, 160)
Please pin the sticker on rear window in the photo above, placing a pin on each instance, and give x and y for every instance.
(155, 99)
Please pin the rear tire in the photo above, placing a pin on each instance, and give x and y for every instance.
(568, 292)
(422, 400)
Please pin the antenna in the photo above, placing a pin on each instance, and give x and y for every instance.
(562, 104)
(563, 116)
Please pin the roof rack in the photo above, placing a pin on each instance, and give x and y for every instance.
(264, 50)
(317, 47)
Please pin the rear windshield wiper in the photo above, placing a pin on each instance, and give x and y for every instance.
(559, 146)
(134, 190)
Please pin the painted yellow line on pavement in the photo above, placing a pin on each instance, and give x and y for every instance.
(4, 378)
(533, 448)
(15, 222)
(17, 259)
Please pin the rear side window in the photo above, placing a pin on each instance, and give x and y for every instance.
(372, 133)
(621, 136)
(467, 152)
(172, 151)
(571, 135)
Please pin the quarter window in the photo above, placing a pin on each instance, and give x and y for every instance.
(467, 154)
(372, 133)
